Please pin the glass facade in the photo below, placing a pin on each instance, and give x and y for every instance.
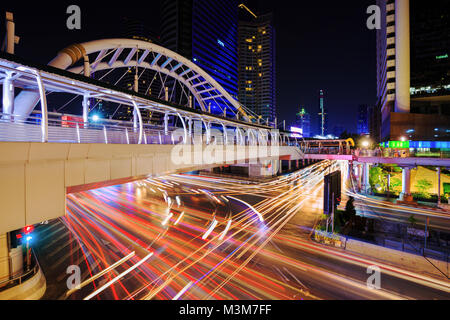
(204, 32)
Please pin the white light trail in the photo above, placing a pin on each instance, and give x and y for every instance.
(179, 218)
(167, 219)
(96, 292)
(213, 225)
(182, 291)
(253, 209)
(225, 231)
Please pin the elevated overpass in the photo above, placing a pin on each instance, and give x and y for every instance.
(44, 155)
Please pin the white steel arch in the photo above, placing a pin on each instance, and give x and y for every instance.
(202, 86)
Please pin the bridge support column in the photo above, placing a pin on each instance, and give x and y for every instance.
(406, 196)
(289, 165)
(85, 109)
(166, 124)
(135, 120)
(359, 173)
(366, 175)
(8, 96)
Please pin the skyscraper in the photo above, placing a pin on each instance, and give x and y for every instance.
(363, 120)
(205, 32)
(413, 85)
(303, 121)
(257, 84)
(322, 115)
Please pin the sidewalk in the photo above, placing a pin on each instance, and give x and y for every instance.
(415, 263)
(437, 269)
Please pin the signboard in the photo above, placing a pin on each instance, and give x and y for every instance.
(71, 122)
(399, 144)
(297, 132)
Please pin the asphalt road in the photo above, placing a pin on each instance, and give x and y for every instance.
(193, 237)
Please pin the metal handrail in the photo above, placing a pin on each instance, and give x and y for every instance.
(11, 282)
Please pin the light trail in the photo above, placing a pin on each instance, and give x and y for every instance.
(99, 290)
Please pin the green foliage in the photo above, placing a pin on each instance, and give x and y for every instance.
(395, 183)
(377, 178)
(423, 186)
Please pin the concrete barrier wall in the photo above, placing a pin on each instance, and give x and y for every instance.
(404, 259)
(4, 258)
(32, 289)
(34, 176)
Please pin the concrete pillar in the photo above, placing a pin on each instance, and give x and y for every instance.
(189, 126)
(4, 257)
(359, 172)
(166, 124)
(402, 57)
(281, 166)
(366, 175)
(8, 96)
(406, 185)
(297, 165)
(85, 109)
(135, 120)
(289, 165)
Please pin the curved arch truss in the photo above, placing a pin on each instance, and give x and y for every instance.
(153, 70)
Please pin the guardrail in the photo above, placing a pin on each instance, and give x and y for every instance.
(64, 128)
(24, 276)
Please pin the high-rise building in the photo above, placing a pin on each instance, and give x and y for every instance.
(322, 115)
(205, 32)
(413, 84)
(363, 120)
(303, 121)
(257, 84)
(133, 28)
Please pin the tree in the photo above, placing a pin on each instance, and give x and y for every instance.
(423, 186)
(350, 210)
(377, 178)
(395, 183)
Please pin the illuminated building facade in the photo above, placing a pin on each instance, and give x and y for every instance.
(257, 83)
(322, 115)
(205, 32)
(413, 84)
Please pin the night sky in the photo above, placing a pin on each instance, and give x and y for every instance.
(320, 45)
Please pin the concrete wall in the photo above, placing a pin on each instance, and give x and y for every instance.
(32, 289)
(34, 177)
(4, 261)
